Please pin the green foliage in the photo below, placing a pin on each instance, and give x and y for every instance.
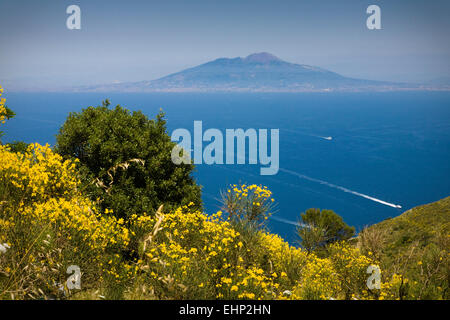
(9, 113)
(18, 146)
(5, 114)
(320, 228)
(125, 160)
(414, 244)
(312, 237)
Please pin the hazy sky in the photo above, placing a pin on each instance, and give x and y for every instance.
(142, 40)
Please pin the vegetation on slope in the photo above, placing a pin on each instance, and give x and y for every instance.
(415, 244)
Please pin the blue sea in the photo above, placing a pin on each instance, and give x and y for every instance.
(391, 147)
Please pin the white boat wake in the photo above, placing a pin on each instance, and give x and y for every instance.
(288, 221)
(302, 176)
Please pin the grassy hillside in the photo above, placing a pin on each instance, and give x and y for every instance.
(421, 225)
(414, 244)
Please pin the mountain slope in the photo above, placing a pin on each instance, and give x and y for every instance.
(422, 224)
(415, 244)
(256, 72)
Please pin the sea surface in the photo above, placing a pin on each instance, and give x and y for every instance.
(386, 149)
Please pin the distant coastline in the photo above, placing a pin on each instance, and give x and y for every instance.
(258, 72)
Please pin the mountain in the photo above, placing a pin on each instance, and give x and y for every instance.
(259, 72)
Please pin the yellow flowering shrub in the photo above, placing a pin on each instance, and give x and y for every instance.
(49, 225)
(318, 280)
(392, 289)
(2, 107)
(342, 275)
(5, 112)
(255, 283)
(351, 268)
(250, 203)
(189, 253)
(36, 176)
(286, 260)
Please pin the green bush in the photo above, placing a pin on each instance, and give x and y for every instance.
(125, 160)
(320, 228)
(18, 146)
